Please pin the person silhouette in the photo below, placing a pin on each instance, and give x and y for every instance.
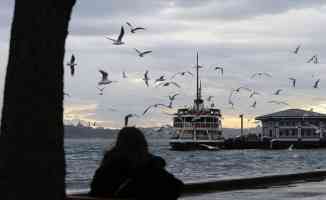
(128, 170)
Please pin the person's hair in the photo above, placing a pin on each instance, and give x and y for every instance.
(131, 145)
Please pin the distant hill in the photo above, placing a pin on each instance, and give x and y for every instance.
(89, 132)
(150, 133)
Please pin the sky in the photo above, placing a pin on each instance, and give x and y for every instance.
(243, 36)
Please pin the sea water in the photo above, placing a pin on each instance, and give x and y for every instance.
(84, 155)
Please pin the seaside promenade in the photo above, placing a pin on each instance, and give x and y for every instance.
(306, 185)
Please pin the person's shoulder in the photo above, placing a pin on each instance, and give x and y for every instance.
(157, 161)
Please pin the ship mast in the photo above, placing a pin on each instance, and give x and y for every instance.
(198, 101)
(197, 68)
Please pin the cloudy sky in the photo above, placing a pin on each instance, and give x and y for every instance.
(243, 36)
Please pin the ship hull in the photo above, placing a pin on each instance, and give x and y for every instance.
(189, 145)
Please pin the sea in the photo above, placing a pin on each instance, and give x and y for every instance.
(83, 156)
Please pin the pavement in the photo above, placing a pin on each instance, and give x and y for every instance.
(304, 191)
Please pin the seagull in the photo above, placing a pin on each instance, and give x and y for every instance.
(219, 70)
(277, 92)
(160, 79)
(104, 79)
(231, 102)
(72, 64)
(118, 41)
(254, 104)
(164, 84)
(209, 98)
(316, 83)
(154, 106)
(261, 74)
(66, 94)
(142, 53)
(94, 123)
(112, 109)
(199, 66)
(146, 78)
(314, 58)
(293, 81)
(101, 90)
(297, 49)
(134, 29)
(238, 90)
(182, 74)
(128, 116)
(171, 98)
(124, 75)
(253, 93)
(278, 102)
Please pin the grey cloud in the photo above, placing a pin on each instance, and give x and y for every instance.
(243, 9)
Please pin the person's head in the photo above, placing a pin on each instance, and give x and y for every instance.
(131, 144)
(131, 139)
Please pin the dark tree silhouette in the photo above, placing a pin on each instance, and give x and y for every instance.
(32, 164)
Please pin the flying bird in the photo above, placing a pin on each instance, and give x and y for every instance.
(66, 94)
(297, 49)
(134, 29)
(220, 70)
(254, 104)
(243, 88)
(171, 98)
(253, 93)
(314, 58)
(182, 74)
(72, 63)
(209, 98)
(154, 106)
(104, 79)
(160, 79)
(278, 102)
(101, 90)
(231, 103)
(146, 78)
(142, 53)
(237, 90)
(118, 41)
(129, 116)
(260, 74)
(124, 75)
(164, 84)
(277, 91)
(293, 80)
(316, 83)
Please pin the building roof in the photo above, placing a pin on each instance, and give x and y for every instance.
(292, 113)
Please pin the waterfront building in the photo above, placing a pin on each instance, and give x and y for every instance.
(294, 126)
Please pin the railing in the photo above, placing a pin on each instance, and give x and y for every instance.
(196, 125)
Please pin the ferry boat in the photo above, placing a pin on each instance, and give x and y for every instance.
(198, 127)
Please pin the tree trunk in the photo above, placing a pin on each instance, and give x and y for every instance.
(32, 163)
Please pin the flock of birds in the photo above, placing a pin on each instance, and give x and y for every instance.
(314, 59)
(163, 81)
